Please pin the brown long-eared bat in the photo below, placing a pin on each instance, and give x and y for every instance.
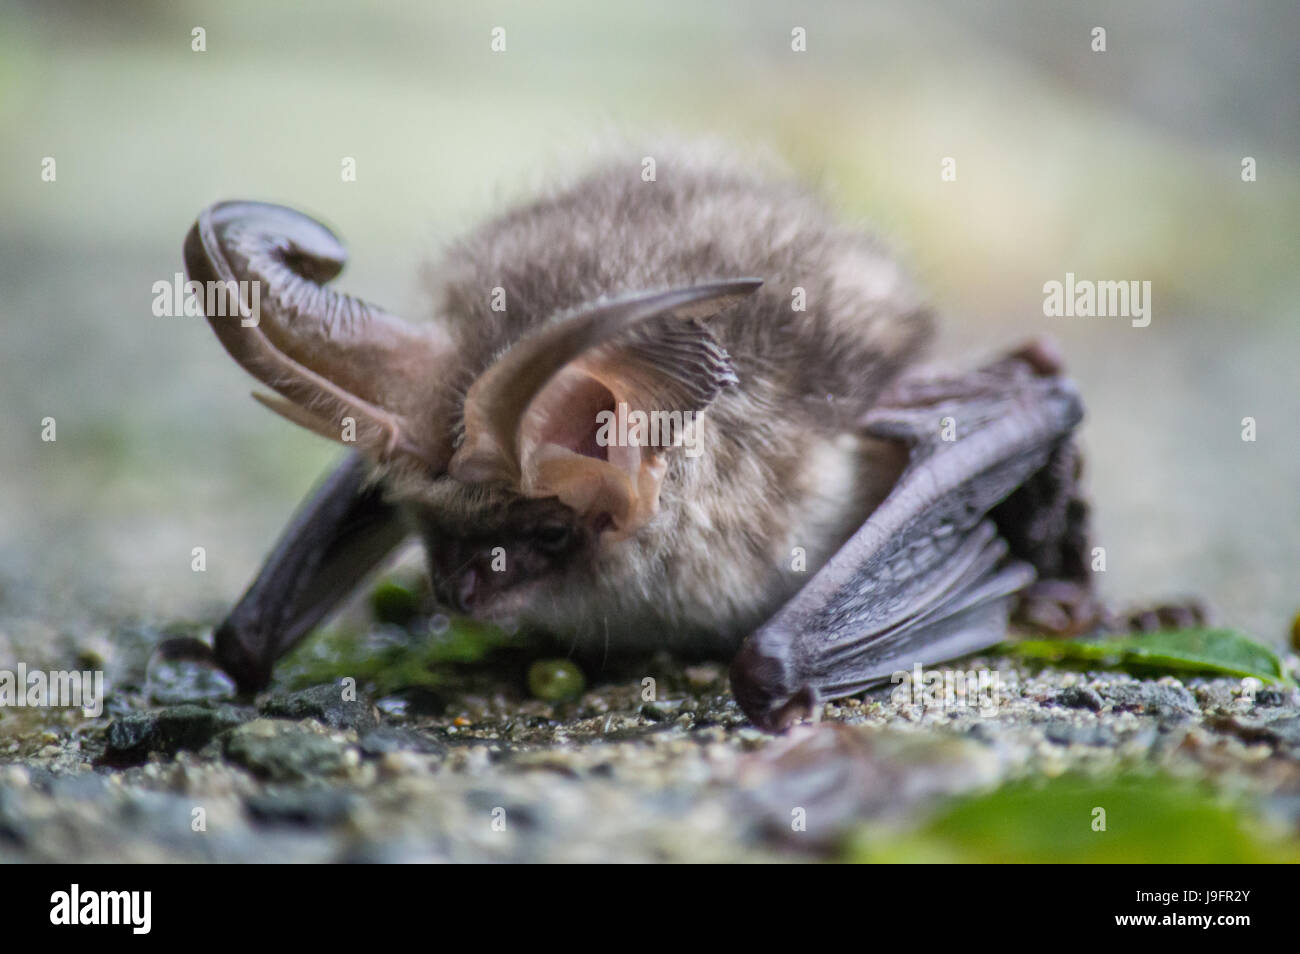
(686, 414)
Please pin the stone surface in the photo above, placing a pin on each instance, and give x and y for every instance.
(330, 705)
(496, 775)
(132, 737)
(283, 751)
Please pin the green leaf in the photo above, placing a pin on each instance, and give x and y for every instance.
(1076, 820)
(1223, 651)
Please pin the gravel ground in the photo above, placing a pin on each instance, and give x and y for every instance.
(177, 770)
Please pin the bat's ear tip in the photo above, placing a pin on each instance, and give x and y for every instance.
(765, 689)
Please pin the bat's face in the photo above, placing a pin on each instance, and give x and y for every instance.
(496, 555)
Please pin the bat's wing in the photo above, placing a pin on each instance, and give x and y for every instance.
(928, 577)
(341, 532)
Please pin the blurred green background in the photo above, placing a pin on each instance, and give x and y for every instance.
(1116, 165)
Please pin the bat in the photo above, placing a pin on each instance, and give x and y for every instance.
(688, 414)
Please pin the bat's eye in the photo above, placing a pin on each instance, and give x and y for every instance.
(552, 536)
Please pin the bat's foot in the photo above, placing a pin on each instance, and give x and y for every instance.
(1067, 608)
(1060, 608)
(1187, 614)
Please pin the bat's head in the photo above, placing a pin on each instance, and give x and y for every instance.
(494, 553)
(523, 481)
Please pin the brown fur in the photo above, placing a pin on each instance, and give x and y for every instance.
(782, 465)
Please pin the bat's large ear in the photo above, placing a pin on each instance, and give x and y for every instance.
(587, 408)
(343, 368)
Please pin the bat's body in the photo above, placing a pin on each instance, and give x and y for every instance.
(482, 432)
(783, 479)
